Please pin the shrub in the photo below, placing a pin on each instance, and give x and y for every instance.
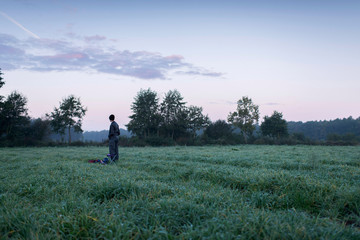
(159, 141)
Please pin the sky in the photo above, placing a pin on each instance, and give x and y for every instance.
(300, 58)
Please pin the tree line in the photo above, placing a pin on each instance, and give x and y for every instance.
(338, 131)
(172, 122)
(18, 128)
(169, 122)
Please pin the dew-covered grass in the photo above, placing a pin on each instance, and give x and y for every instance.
(215, 192)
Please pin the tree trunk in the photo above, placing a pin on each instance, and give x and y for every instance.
(245, 138)
(8, 130)
(69, 136)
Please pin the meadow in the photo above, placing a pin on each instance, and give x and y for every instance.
(212, 192)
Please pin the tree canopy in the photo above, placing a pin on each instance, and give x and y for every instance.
(196, 119)
(218, 129)
(168, 119)
(245, 117)
(173, 113)
(145, 120)
(274, 126)
(1, 79)
(69, 115)
(13, 116)
(1, 84)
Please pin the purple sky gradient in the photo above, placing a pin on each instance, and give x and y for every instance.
(300, 58)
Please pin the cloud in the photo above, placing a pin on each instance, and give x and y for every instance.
(202, 73)
(64, 55)
(94, 38)
(8, 50)
(175, 57)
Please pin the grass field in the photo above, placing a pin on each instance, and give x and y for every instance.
(217, 192)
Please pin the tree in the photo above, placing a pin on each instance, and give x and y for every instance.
(218, 129)
(245, 117)
(173, 114)
(196, 119)
(274, 126)
(1, 97)
(146, 118)
(1, 79)
(1, 84)
(69, 115)
(38, 130)
(13, 116)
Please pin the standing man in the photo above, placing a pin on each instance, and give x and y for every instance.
(114, 133)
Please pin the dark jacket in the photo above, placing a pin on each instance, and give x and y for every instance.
(114, 130)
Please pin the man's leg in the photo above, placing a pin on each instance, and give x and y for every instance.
(116, 149)
(112, 148)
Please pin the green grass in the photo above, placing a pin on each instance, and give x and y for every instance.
(231, 192)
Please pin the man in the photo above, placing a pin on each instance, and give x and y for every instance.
(114, 133)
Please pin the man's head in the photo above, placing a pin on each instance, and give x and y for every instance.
(112, 117)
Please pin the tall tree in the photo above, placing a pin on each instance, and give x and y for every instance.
(1, 79)
(69, 115)
(1, 84)
(274, 126)
(245, 117)
(1, 97)
(145, 119)
(196, 119)
(13, 116)
(173, 114)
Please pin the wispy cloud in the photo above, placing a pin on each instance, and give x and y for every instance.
(65, 55)
(94, 38)
(202, 73)
(19, 25)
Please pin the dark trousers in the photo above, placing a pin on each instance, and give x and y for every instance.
(114, 148)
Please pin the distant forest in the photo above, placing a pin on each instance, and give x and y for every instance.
(321, 130)
(88, 136)
(101, 136)
(313, 130)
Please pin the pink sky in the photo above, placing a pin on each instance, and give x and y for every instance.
(299, 58)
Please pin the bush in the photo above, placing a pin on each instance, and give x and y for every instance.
(159, 141)
(138, 142)
(342, 140)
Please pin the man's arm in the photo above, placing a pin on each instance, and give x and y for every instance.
(111, 130)
(118, 129)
